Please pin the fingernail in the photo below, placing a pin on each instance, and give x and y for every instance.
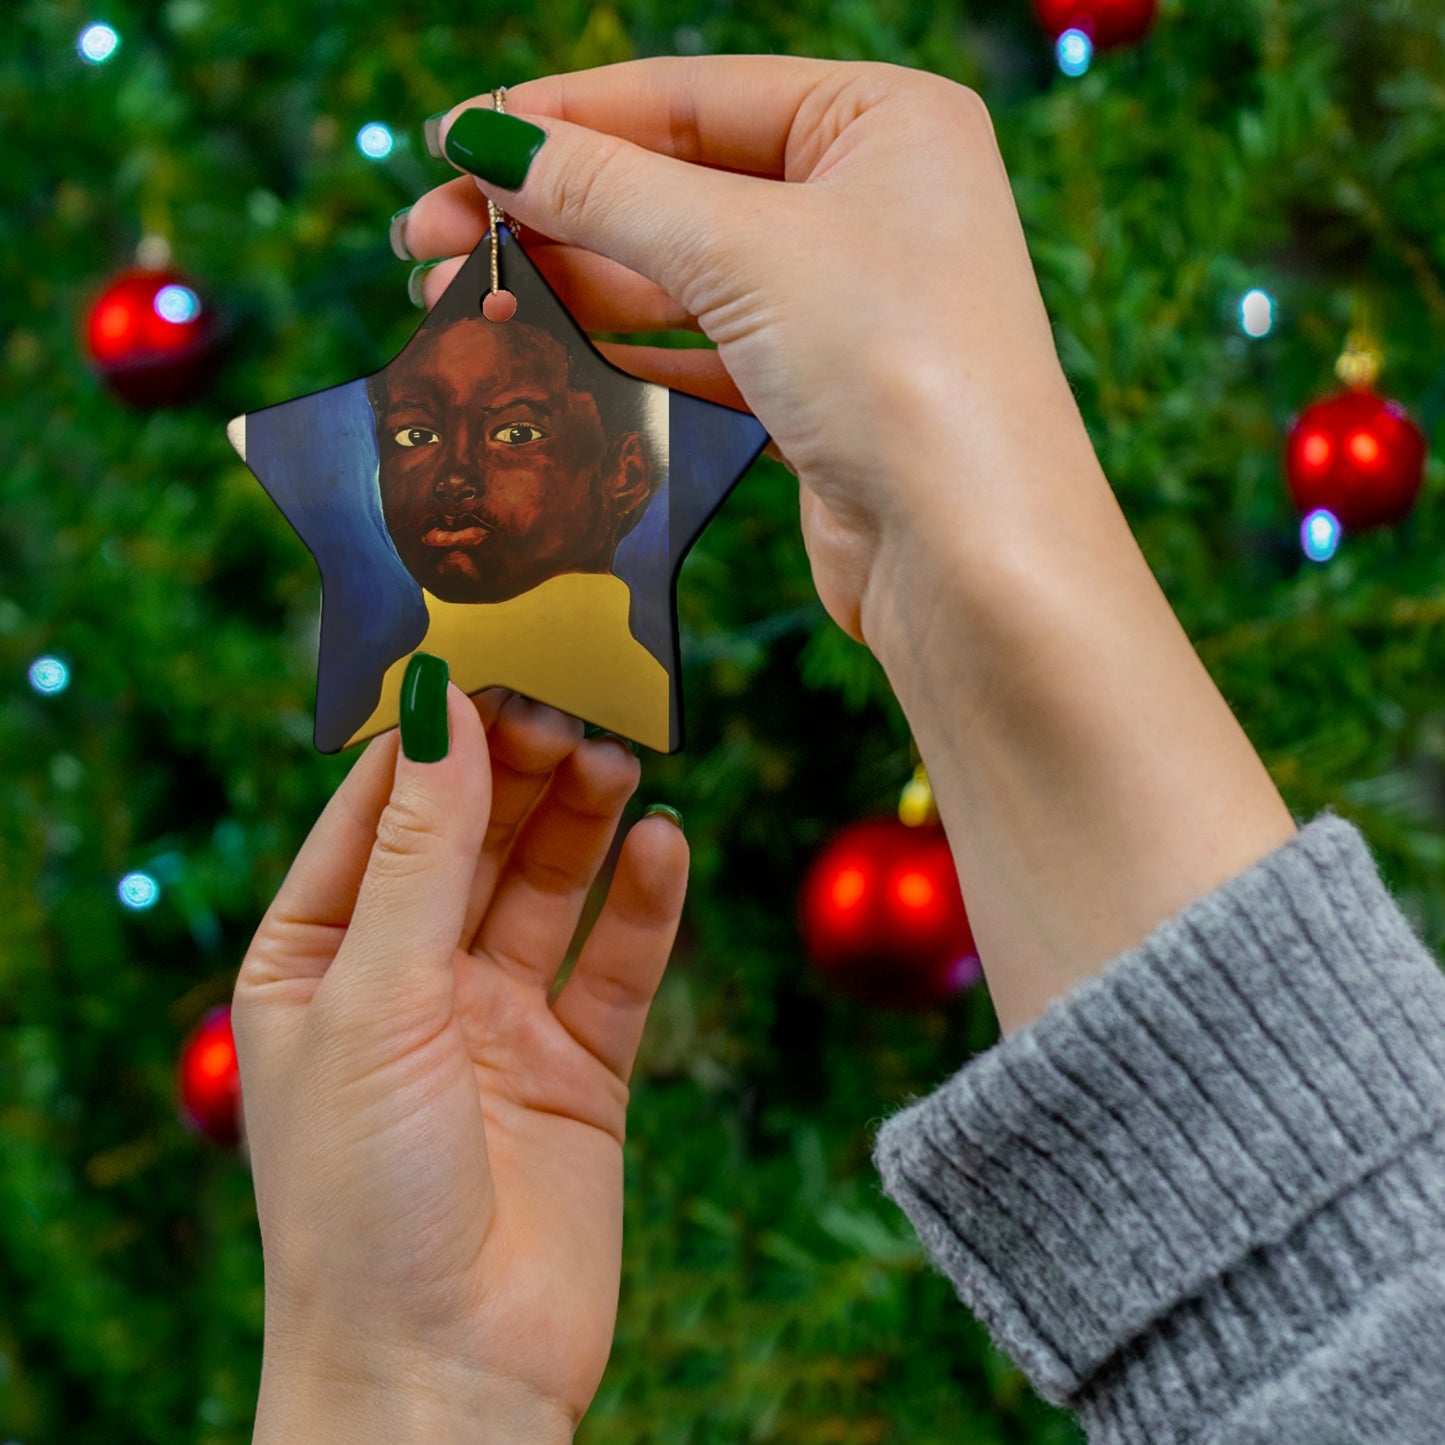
(431, 132)
(498, 148)
(425, 736)
(671, 814)
(591, 730)
(413, 282)
(496, 697)
(398, 235)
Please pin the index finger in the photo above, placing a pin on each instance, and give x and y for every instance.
(733, 112)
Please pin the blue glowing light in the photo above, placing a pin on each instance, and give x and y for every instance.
(138, 891)
(97, 43)
(964, 972)
(1075, 52)
(1320, 535)
(1256, 313)
(375, 140)
(49, 675)
(177, 304)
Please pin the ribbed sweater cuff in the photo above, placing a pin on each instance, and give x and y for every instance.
(1193, 1116)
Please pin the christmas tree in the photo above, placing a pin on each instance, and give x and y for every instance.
(158, 627)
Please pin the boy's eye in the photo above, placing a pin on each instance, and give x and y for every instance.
(414, 436)
(518, 433)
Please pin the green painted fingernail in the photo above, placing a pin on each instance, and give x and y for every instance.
(425, 736)
(413, 283)
(398, 235)
(671, 814)
(431, 133)
(591, 730)
(498, 148)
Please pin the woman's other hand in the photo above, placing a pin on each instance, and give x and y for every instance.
(437, 1147)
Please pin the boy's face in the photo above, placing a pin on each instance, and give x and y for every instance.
(495, 473)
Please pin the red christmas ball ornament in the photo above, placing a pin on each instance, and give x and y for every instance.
(1107, 23)
(1357, 455)
(152, 338)
(883, 917)
(210, 1080)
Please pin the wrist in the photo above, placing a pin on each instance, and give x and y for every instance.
(410, 1401)
(978, 509)
(1092, 779)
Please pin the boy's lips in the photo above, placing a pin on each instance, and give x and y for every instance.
(456, 532)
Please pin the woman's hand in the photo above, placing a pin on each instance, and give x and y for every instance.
(437, 1148)
(847, 234)
(879, 314)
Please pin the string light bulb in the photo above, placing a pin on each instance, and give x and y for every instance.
(97, 43)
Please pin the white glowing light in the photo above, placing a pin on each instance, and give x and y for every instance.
(97, 43)
(1320, 535)
(1256, 313)
(1075, 52)
(49, 675)
(375, 140)
(138, 891)
(178, 304)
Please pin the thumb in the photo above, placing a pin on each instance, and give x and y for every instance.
(666, 219)
(394, 967)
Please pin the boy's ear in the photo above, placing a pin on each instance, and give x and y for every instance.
(630, 468)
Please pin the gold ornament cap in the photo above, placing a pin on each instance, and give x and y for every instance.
(1360, 362)
(915, 804)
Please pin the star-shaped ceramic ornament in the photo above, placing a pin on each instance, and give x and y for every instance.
(502, 496)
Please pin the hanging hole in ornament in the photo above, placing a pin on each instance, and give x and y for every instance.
(499, 306)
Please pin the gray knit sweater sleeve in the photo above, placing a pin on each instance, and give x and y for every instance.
(1202, 1199)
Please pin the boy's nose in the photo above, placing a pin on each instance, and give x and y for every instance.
(455, 487)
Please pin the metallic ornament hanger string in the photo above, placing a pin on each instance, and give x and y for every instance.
(495, 214)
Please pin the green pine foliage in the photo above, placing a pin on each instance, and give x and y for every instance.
(770, 1291)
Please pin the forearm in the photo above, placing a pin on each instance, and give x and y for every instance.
(1092, 779)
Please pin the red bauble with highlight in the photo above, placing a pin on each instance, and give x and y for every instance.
(1357, 455)
(883, 917)
(152, 338)
(1107, 23)
(210, 1080)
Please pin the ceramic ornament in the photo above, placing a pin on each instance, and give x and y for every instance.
(502, 496)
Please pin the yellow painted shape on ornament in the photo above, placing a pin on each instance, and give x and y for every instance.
(589, 657)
